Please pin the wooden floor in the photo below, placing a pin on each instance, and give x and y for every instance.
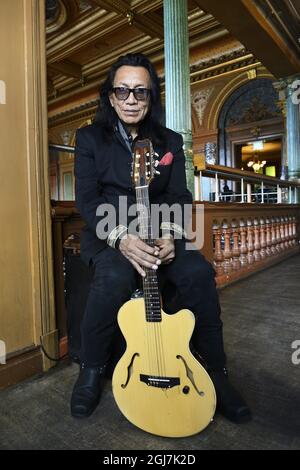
(261, 319)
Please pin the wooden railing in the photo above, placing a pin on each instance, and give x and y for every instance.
(66, 228)
(241, 239)
(246, 186)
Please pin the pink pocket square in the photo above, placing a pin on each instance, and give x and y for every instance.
(166, 159)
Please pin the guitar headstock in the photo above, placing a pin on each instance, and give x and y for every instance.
(144, 163)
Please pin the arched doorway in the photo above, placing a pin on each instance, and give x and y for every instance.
(249, 115)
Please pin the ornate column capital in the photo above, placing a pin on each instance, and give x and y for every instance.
(293, 127)
(289, 100)
(280, 86)
(286, 87)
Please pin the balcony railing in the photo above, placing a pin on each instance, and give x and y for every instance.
(247, 187)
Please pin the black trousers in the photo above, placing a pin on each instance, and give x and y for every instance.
(190, 276)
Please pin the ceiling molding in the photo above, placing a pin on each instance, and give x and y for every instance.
(144, 6)
(94, 26)
(118, 6)
(151, 24)
(76, 114)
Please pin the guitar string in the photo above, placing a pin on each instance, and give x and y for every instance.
(152, 276)
(151, 349)
(151, 336)
(148, 339)
(158, 325)
(145, 286)
(157, 340)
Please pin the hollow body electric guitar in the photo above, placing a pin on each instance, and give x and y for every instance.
(158, 384)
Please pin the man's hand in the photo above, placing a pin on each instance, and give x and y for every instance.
(139, 253)
(166, 247)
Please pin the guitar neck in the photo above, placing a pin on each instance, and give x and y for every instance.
(150, 281)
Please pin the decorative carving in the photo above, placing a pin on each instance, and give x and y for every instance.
(66, 137)
(252, 74)
(227, 254)
(222, 63)
(250, 241)
(130, 17)
(218, 252)
(287, 86)
(219, 58)
(199, 101)
(236, 264)
(280, 87)
(254, 101)
(256, 132)
(282, 105)
(255, 110)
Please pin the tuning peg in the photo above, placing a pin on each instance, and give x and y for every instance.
(156, 163)
(156, 154)
(156, 172)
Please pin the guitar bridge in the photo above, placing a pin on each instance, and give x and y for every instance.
(160, 382)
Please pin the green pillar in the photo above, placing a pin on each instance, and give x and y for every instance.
(289, 95)
(177, 78)
(293, 130)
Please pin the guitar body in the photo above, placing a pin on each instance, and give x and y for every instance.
(158, 384)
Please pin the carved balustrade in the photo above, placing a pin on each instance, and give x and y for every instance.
(241, 239)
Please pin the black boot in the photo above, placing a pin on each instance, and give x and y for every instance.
(229, 402)
(87, 391)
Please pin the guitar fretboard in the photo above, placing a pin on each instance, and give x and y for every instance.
(150, 282)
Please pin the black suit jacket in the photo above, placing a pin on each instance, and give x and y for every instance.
(103, 174)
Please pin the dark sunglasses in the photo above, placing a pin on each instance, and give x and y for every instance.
(140, 94)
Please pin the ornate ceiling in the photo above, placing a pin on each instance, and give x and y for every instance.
(84, 37)
(270, 29)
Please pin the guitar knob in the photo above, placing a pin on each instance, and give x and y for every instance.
(186, 390)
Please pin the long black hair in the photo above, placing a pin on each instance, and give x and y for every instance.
(152, 126)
